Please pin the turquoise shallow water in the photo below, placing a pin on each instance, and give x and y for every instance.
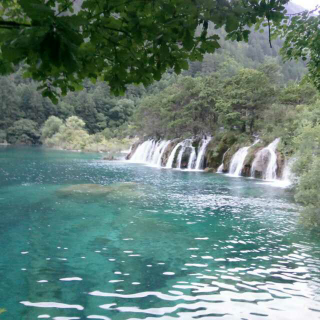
(151, 244)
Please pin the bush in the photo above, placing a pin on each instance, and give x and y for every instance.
(308, 193)
(51, 127)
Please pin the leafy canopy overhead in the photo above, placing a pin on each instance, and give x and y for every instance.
(62, 42)
(302, 40)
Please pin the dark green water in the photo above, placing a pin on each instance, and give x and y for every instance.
(168, 245)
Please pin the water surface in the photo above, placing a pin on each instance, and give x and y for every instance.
(83, 238)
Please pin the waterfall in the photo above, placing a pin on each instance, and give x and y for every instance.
(151, 152)
(157, 152)
(192, 159)
(185, 144)
(165, 145)
(267, 153)
(201, 153)
(141, 154)
(221, 167)
(287, 175)
(172, 155)
(238, 159)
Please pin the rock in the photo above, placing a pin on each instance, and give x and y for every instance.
(185, 158)
(109, 158)
(261, 163)
(281, 161)
(215, 152)
(133, 149)
(246, 171)
(210, 170)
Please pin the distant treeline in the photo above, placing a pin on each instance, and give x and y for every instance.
(23, 109)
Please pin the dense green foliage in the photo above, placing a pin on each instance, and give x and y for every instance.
(249, 102)
(307, 165)
(72, 135)
(63, 42)
(302, 36)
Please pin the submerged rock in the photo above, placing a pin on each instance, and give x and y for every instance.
(119, 190)
(109, 158)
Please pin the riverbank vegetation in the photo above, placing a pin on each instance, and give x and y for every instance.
(72, 135)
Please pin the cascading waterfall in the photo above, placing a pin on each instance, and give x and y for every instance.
(287, 175)
(268, 152)
(141, 154)
(185, 144)
(221, 167)
(238, 159)
(192, 159)
(152, 152)
(172, 155)
(157, 151)
(201, 153)
(165, 145)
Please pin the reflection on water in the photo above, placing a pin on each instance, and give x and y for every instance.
(83, 238)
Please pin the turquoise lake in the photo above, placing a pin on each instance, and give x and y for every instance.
(83, 238)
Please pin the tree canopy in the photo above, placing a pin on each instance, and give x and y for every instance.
(63, 42)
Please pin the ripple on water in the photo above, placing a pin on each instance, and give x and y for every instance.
(169, 245)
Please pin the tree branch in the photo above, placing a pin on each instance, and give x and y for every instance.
(13, 25)
(269, 30)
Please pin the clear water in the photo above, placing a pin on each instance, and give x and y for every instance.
(173, 245)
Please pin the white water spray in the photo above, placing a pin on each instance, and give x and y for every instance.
(200, 157)
(238, 159)
(172, 155)
(270, 151)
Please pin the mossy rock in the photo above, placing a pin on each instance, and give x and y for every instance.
(246, 171)
(196, 143)
(216, 150)
(281, 161)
